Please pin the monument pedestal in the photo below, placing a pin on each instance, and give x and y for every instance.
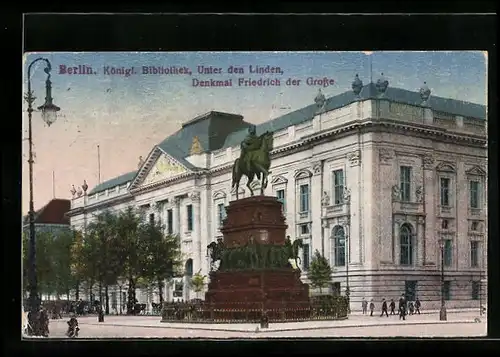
(254, 273)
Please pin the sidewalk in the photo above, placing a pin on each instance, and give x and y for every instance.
(354, 321)
(448, 311)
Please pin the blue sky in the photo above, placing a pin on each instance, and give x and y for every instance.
(126, 116)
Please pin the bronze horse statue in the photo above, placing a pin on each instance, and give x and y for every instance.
(255, 163)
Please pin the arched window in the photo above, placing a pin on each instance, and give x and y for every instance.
(406, 244)
(338, 245)
(189, 267)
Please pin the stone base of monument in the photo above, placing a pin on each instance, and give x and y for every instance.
(260, 277)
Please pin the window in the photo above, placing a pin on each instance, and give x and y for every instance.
(170, 221)
(444, 224)
(445, 191)
(221, 213)
(474, 254)
(447, 290)
(411, 290)
(338, 186)
(339, 246)
(151, 218)
(448, 253)
(474, 194)
(474, 226)
(406, 245)
(335, 288)
(304, 229)
(280, 194)
(305, 256)
(304, 198)
(189, 211)
(405, 183)
(476, 290)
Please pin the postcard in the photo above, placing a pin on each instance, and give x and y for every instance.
(254, 194)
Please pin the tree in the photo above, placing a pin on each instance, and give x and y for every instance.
(128, 229)
(320, 271)
(61, 262)
(198, 282)
(160, 254)
(107, 252)
(77, 261)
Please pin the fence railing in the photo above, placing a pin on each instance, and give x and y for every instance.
(186, 312)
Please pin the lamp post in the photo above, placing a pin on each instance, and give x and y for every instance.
(49, 111)
(442, 311)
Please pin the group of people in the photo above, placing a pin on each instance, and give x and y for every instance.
(404, 307)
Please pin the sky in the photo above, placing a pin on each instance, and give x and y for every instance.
(127, 115)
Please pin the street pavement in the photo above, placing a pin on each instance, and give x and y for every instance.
(459, 324)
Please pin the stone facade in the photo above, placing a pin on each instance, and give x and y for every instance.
(369, 173)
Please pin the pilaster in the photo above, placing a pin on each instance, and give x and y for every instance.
(385, 182)
(354, 195)
(316, 181)
(429, 195)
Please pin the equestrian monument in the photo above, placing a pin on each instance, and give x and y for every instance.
(255, 265)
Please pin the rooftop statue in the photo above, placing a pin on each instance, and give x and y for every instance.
(254, 160)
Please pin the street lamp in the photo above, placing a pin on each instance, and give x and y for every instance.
(442, 311)
(49, 111)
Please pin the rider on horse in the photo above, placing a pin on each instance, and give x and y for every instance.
(251, 143)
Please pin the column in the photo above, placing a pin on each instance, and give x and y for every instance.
(177, 215)
(385, 224)
(429, 194)
(196, 234)
(316, 185)
(353, 193)
(206, 203)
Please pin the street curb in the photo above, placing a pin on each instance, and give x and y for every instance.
(289, 329)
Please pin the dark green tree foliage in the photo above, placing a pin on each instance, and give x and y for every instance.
(160, 254)
(320, 271)
(128, 230)
(106, 251)
(61, 262)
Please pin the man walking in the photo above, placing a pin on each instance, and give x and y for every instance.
(364, 306)
(372, 307)
(402, 307)
(417, 306)
(393, 307)
(384, 308)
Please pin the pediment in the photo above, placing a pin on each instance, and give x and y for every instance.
(218, 195)
(476, 171)
(446, 167)
(304, 173)
(279, 180)
(158, 167)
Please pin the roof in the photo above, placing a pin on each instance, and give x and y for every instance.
(53, 212)
(217, 130)
(114, 182)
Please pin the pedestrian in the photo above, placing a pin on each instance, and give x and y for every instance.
(372, 307)
(411, 307)
(393, 307)
(417, 305)
(364, 306)
(384, 308)
(402, 307)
